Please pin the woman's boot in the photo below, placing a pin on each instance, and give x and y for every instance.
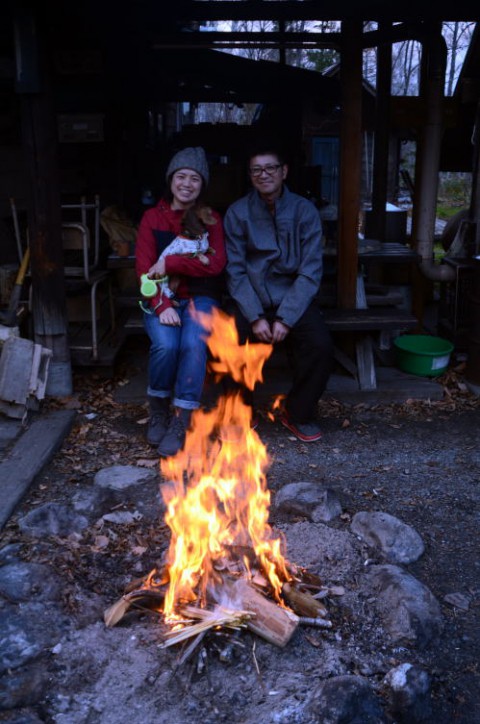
(174, 438)
(159, 418)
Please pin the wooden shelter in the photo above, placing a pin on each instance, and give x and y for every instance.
(89, 76)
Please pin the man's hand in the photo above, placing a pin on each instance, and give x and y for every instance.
(279, 331)
(261, 330)
(157, 270)
(169, 316)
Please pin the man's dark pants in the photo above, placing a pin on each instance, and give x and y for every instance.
(310, 352)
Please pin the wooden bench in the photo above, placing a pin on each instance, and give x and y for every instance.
(365, 321)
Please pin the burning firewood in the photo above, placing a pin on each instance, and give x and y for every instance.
(303, 602)
(315, 622)
(269, 620)
(208, 619)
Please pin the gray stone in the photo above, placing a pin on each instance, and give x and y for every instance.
(27, 581)
(395, 540)
(119, 477)
(23, 687)
(22, 716)
(409, 693)
(26, 630)
(343, 699)
(409, 611)
(10, 553)
(52, 519)
(308, 500)
(93, 501)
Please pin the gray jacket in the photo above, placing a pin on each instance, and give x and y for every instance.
(273, 260)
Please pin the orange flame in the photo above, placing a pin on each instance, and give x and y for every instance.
(218, 500)
(276, 405)
(243, 362)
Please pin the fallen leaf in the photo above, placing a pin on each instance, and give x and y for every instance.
(336, 590)
(459, 600)
(116, 612)
(101, 541)
(313, 641)
(139, 550)
(147, 462)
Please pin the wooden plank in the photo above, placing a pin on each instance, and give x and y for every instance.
(367, 378)
(15, 370)
(368, 319)
(33, 450)
(393, 386)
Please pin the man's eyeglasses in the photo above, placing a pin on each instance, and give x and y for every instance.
(269, 169)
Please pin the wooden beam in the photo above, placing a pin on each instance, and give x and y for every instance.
(31, 453)
(247, 39)
(188, 10)
(350, 163)
(381, 143)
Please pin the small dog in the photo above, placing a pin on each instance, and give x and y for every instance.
(193, 241)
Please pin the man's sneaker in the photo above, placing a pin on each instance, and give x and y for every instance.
(174, 438)
(159, 419)
(304, 431)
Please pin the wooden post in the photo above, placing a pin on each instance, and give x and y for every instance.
(44, 221)
(381, 145)
(350, 161)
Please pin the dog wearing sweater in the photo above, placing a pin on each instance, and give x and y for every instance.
(193, 241)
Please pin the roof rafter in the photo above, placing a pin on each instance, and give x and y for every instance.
(187, 10)
(286, 39)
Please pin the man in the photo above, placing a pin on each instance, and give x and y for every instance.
(274, 269)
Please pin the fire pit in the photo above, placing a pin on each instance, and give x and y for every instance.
(225, 567)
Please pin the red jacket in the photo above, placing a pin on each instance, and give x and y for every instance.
(158, 227)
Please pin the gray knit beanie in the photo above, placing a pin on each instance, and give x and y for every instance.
(193, 158)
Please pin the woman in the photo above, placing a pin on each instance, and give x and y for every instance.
(178, 352)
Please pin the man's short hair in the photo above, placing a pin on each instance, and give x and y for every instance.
(266, 149)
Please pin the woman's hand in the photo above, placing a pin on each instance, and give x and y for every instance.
(169, 316)
(157, 270)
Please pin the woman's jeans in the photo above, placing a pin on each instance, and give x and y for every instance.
(178, 355)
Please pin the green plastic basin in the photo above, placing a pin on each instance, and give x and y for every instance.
(422, 354)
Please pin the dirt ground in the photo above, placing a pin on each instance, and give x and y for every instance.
(418, 461)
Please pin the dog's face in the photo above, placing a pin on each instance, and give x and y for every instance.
(195, 221)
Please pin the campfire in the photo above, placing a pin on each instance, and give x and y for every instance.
(225, 568)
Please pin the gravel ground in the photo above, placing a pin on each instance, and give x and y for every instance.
(419, 462)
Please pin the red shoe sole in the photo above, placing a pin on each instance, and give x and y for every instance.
(298, 434)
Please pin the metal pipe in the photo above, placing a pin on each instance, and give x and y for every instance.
(434, 59)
